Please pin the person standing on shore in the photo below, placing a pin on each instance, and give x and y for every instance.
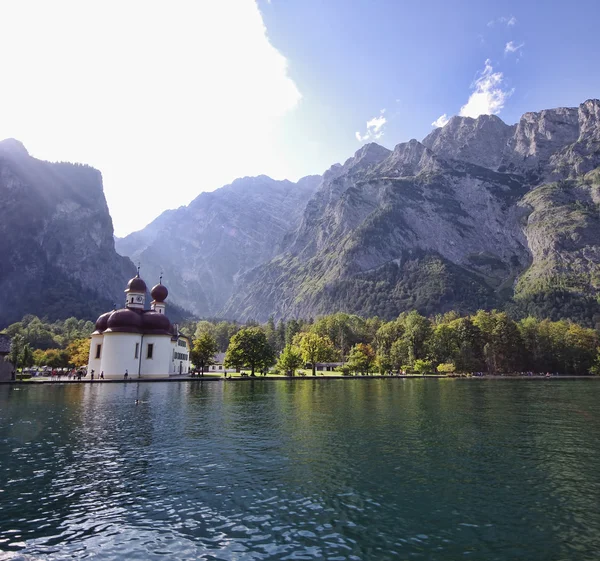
(92, 375)
(126, 375)
(102, 375)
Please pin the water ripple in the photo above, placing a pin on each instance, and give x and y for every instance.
(313, 469)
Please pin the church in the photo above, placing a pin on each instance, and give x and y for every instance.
(142, 343)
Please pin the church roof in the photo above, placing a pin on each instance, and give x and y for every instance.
(134, 320)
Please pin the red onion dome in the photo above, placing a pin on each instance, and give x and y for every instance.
(153, 322)
(101, 322)
(159, 293)
(136, 284)
(125, 320)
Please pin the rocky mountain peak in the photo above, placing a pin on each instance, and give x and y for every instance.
(369, 155)
(14, 147)
(540, 133)
(410, 158)
(589, 119)
(479, 141)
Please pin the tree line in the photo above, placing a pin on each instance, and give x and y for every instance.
(488, 342)
(57, 344)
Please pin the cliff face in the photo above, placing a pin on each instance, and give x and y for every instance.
(57, 252)
(463, 220)
(204, 247)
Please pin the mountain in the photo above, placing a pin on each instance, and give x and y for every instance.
(205, 246)
(480, 214)
(57, 250)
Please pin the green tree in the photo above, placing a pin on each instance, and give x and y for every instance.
(271, 333)
(27, 356)
(399, 354)
(314, 348)
(249, 348)
(203, 351)
(361, 358)
(416, 333)
(446, 368)
(469, 354)
(423, 366)
(443, 343)
(290, 360)
(16, 351)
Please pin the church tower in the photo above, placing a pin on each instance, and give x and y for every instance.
(159, 294)
(136, 293)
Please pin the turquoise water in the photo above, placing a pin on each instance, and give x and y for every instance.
(305, 469)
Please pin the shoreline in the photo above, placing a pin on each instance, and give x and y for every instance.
(293, 378)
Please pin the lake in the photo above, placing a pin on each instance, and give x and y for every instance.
(306, 469)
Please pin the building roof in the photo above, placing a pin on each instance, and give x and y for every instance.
(4, 344)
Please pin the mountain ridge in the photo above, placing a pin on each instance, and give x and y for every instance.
(452, 199)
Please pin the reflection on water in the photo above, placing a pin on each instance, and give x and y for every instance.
(307, 469)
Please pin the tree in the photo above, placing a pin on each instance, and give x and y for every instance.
(78, 352)
(399, 354)
(54, 358)
(361, 358)
(416, 332)
(249, 347)
(271, 333)
(290, 359)
(469, 355)
(314, 348)
(16, 351)
(423, 366)
(203, 351)
(443, 346)
(446, 368)
(343, 330)
(27, 356)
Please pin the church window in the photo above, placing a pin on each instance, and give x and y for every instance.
(98, 350)
(137, 350)
(150, 350)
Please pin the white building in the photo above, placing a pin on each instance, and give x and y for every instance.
(142, 343)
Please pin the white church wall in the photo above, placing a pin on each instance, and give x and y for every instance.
(118, 355)
(162, 352)
(93, 362)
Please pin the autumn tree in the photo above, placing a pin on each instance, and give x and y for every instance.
(314, 348)
(78, 352)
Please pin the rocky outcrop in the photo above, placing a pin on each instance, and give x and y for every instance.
(543, 146)
(204, 247)
(57, 250)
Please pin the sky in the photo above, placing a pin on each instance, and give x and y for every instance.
(169, 99)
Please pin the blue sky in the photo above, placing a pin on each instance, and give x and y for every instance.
(182, 97)
(418, 60)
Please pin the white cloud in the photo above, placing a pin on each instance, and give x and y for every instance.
(488, 97)
(176, 100)
(512, 48)
(440, 121)
(509, 21)
(374, 128)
